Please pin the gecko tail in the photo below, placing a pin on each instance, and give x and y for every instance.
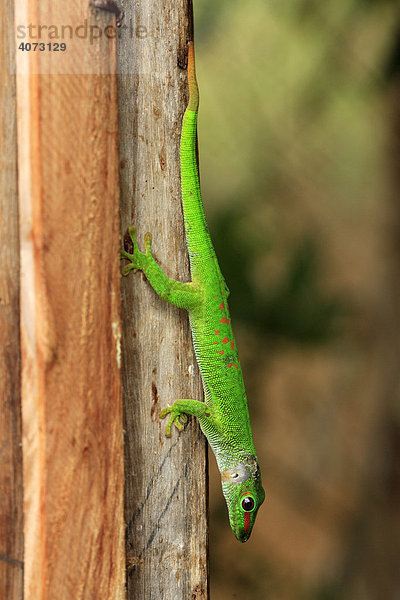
(193, 103)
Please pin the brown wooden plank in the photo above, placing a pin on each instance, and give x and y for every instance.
(70, 311)
(166, 486)
(11, 526)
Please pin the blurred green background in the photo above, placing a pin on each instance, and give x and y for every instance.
(299, 136)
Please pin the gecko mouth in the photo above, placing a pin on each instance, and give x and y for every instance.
(242, 536)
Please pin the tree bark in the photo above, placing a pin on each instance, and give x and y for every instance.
(70, 310)
(11, 525)
(166, 489)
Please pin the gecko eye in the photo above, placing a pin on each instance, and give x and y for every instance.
(248, 503)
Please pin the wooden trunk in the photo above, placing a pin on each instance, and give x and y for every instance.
(166, 489)
(70, 312)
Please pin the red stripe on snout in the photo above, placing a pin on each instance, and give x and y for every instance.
(246, 521)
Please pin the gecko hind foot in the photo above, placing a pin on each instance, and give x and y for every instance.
(136, 258)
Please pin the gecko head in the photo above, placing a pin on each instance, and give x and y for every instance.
(244, 495)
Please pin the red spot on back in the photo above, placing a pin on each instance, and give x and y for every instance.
(225, 340)
(246, 521)
(216, 332)
(220, 352)
(222, 306)
(236, 367)
(232, 345)
(230, 365)
(225, 320)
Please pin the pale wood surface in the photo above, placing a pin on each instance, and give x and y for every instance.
(11, 532)
(70, 315)
(166, 493)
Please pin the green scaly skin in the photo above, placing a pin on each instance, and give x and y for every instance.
(224, 416)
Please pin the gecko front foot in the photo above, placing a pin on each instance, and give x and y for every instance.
(179, 411)
(176, 418)
(137, 257)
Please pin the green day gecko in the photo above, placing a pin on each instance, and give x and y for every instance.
(223, 416)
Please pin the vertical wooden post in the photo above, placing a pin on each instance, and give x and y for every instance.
(70, 306)
(11, 536)
(166, 492)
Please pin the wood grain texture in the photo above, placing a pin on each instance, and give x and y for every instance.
(70, 315)
(11, 525)
(166, 487)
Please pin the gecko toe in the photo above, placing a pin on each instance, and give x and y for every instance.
(132, 233)
(128, 268)
(178, 424)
